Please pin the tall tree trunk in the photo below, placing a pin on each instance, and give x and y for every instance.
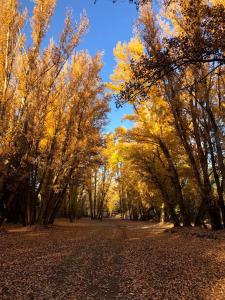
(165, 197)
(176, 183)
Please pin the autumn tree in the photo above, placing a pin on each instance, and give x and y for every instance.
(190, 90)
(52, 110)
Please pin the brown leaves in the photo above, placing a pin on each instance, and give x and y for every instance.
(109, 260)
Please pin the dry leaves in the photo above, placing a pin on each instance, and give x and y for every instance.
(112, 259)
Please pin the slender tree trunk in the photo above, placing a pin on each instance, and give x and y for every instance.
(165, 197)
(162, 215)
(176, 183)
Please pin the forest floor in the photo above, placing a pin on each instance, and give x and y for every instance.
(112, 259)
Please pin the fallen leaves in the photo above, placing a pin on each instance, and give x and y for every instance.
(112, 259)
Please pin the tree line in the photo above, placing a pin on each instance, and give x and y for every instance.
(52, 110)
(172, 72)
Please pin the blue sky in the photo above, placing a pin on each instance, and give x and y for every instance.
(109, 23)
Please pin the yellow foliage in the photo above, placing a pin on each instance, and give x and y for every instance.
(124, 53)
(217, 2)
(42, 14)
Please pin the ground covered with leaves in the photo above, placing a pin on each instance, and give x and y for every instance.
(111, 259)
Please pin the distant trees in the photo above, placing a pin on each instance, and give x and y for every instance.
(92, 195)
(176, 86)
(98, 187)
(52, 109)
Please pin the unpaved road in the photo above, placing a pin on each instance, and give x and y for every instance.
(112, 259)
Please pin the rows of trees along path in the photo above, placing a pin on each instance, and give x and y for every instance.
(53, 106)
(52, 110)
(173, 75)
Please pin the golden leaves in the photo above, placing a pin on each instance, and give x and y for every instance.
(218, 2)
(124, 53)
(42, 13)
(52, 100)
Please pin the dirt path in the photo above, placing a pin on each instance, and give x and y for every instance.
(110, 260)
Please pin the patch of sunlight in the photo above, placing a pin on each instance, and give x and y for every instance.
(218, 290)
(18, 229)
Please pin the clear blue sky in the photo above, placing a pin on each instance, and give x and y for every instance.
(109, 23)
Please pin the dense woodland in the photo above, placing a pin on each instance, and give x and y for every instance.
(55, 157)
